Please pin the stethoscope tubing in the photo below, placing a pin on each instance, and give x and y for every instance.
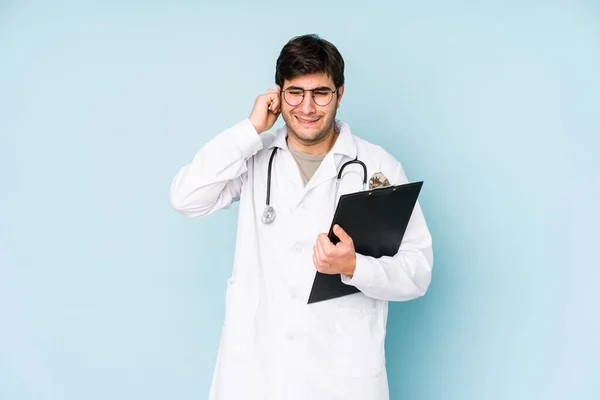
(269, 213)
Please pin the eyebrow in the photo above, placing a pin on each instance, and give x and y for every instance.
(299, 88)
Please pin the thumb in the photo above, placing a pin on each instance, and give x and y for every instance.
(341, 234)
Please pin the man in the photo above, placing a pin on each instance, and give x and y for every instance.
(273, 344)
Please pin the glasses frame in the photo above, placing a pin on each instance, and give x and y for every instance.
(312, 95)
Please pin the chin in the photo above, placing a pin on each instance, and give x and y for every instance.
(304, 131)
(308, 134)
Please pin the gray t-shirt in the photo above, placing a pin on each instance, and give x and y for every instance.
(307, 163)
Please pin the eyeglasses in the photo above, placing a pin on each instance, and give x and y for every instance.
(295, 96)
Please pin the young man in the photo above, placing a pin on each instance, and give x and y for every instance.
(274, 345)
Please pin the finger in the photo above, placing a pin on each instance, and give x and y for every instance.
(325, 243)
(319, 265)
(321, 256)
(342, 235)
(270, 95)
(276, 103)
(269, 102)
(261, 105)
(274, 107)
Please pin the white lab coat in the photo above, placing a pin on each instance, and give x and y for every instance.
(274, 345)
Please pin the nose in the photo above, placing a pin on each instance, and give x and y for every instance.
(308, 105)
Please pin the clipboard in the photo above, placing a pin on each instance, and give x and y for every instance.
(376, 220)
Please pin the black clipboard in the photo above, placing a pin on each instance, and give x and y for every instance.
(376, 220)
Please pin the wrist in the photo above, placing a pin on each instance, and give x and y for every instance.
(257, 126)
(349, 270)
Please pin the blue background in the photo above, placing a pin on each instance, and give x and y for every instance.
(107, 293)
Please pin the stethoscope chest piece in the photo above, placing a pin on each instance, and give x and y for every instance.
(268, 215)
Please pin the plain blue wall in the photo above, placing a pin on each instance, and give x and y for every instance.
(107, 293)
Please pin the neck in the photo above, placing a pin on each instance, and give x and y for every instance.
(314, 148)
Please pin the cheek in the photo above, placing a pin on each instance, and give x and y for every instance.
(288, 111)
(287, 116)
(330, 113)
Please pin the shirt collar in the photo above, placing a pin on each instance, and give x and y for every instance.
(343, 145)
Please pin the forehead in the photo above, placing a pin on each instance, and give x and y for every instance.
(310, 81)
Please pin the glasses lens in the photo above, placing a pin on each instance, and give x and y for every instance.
(293, 97)
(323, 97)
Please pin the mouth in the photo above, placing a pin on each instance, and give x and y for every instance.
(307, 122)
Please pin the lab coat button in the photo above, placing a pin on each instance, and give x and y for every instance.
(290, 336)
(294, 294)
(298, 248)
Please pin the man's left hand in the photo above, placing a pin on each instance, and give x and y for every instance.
(337, 258)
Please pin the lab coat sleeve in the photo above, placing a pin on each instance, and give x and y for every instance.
(406, 275)
(213, 179)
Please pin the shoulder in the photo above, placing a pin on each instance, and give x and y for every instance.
(380, 159)
(269, 141)
(374, 152)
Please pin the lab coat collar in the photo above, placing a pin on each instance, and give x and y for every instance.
(344, 144)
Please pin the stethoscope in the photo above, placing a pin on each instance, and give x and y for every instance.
(269, 214)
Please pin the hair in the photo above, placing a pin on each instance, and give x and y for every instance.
(309, 54)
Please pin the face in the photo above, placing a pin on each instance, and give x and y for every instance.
(309, 122)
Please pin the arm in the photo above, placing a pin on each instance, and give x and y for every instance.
(406, 275)
(213, 180)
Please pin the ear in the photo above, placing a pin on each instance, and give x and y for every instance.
(278, 88)
(340, 93)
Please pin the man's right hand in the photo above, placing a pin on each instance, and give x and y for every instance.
(262, 117)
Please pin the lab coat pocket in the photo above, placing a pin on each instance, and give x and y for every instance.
(240, 312)
(360, 340)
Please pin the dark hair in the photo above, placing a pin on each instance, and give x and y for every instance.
(309, 54)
